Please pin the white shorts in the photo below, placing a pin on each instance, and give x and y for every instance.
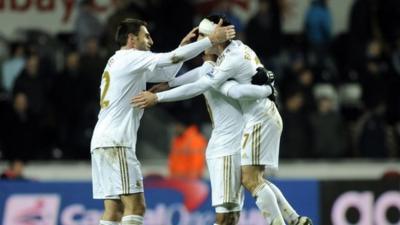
(115, 171)
(261, 140)
(226, 190)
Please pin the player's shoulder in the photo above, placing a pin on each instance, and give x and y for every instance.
(234, 48)
(234, 53)
(132, 54)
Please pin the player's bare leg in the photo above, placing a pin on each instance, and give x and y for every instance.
(230, 218)
(112, 212)
(253, 181)
(134, 209)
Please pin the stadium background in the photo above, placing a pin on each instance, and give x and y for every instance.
(338, 72)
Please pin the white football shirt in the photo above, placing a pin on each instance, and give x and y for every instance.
(239, 62)
(125, 76)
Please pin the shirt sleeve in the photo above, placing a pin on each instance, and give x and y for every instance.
(227, 69)
(164, 74)
(149, 60)
(192, 75)
(244, 91)
(185, 91)
(186, 78)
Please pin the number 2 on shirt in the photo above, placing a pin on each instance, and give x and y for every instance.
(106, 77)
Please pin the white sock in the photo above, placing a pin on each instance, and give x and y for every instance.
(287, 210)
(105, 222)
(132, 220)
(266, 202)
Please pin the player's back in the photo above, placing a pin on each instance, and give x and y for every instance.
(245, 64)
(227, 120)
(118, 120)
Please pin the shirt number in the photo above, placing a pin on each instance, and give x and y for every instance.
(105, 103)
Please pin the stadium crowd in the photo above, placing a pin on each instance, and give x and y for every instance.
(338, 94)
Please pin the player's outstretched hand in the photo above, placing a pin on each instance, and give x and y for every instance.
(159, 87)
(144, 99)
(222, 34)
(190, 37)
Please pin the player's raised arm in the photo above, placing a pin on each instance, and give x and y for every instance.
(183, 53)
(135, 42)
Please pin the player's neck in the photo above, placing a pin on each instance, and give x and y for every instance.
(129, 45)
(221, 48)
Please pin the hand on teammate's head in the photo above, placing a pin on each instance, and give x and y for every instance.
(222, 34)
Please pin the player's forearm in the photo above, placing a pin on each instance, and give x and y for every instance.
(245, 91)
(186, 78)
(249, 91)
(193, 75)
(164, 74)
(184, 53)
(184, 92)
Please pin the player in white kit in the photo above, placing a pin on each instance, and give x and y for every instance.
(223, 150)
(116, 171)
(263, 124)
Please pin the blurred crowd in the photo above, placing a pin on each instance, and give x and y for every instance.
(338, 94)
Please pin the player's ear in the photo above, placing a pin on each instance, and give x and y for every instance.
(131, 36)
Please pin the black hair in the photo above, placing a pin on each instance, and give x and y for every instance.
(128, 26)
(216, 17)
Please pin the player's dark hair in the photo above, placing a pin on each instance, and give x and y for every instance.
(216, 17)
(128, 26)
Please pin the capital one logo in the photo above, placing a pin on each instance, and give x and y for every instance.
(370, 212)
(31, 209)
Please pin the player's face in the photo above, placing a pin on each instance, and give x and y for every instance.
(143, 41)
(210, 50)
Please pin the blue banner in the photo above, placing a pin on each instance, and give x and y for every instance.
(170, 202)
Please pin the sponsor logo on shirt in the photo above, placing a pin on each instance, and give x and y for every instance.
(211, 73)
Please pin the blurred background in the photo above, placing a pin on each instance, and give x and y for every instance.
(337, 65)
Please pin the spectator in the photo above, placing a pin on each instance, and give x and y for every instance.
(327, 130)
(91, 71)
(361, 29)
(20, 130)
(318, 28)
(87, 25)
(296, 139)
(374, 75)
(68, 118)
(264, 32)
(187, 156)
(33, 84)
(306, 82)
(371, 136)
(13, 66)
(14, 171)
